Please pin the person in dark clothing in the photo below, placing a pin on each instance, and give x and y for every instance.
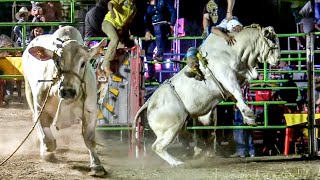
(160, 20)
(214, 12)
(289, 95)
(94, 19)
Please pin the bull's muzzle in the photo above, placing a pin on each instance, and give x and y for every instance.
(67, 93)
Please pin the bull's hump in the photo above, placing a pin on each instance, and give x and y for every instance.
(67, 33)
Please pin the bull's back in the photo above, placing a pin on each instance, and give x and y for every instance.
(68, 32)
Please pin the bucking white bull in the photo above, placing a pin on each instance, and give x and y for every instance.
(60, 86)
(228, 68)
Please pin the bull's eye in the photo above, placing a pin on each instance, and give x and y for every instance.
(83, 64)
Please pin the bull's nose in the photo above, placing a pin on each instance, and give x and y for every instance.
(67, 93)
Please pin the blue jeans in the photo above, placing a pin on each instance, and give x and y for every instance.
(162, 32)
(242, 137)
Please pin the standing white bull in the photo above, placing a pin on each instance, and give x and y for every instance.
(229, 67)
(61, 61)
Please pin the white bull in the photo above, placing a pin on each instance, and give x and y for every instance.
(229, 67)
(61, 63)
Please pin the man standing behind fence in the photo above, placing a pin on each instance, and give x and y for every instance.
(161, 14)
(94, 19)
(160, 20)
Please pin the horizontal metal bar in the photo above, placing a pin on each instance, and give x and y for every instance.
(293, 59)
(11, 76)
(255, 102)
(34, 23)
(112, 128)
(235, 127)
(277, 87)
(293, 52)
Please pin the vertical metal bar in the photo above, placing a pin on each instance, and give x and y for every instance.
(24, 36)
(265, 114)
(311, 99)
(72, 20)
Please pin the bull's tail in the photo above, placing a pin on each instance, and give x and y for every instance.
(134, 123)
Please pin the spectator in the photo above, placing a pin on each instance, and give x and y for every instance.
(160, 20)
(243, 139)
(262, 95)
(6, 42)
(94, 19)
(289, 95)
(35, 32)
(214, 12)
(46, 12)
(115, 26)
(308, 23)
(295, 9)
(21, 16)
(161, 14)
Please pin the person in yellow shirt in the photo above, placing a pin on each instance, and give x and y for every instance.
(120, 15)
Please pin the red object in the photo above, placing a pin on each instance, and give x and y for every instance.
(287, 141)
(263, 95)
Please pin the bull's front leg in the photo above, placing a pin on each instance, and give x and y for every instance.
(230, 83)
(88, 132)
(46, 139)
(248, 115)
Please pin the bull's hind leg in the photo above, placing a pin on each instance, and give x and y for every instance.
(164, 137)
(88, 133)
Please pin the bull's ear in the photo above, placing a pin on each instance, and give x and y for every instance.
(95, 51)
(41, 53)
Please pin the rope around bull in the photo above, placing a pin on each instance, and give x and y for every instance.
(34, 125)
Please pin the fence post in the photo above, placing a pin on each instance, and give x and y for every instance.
(311, 103)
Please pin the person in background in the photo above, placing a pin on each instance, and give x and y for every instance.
(262, 95)
(47, 12)
(214, 12)
(242, 138)
(160, 20)
(116, 26)
(295, 9)
(22, 16)
(35, 32)
(289, 95)
(7, 42)
(94, 19)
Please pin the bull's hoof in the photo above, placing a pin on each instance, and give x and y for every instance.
(49, 157)
(197, 152)
(98, 171)
(177, 164)
(251, 122)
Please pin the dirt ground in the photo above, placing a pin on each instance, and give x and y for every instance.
(73, 159)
